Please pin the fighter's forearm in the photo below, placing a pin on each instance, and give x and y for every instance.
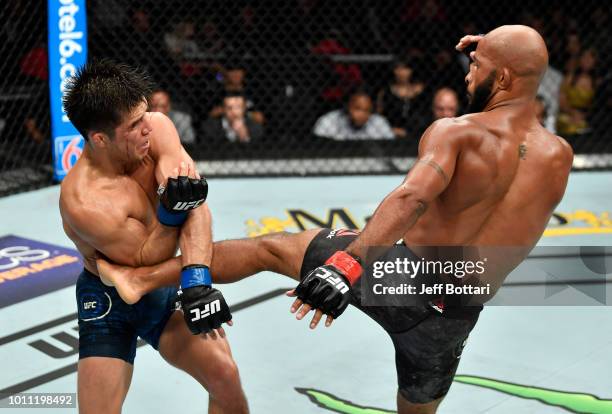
(395, 215)
(161, 243)
(196, 237)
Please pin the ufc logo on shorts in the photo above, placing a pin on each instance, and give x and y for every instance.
(337, 281)
(207, 310)
(184, 205)
(89, 305)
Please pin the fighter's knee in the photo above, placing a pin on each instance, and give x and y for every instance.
(224, 373)
(224, 386)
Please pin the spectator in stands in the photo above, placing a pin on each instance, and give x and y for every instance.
(234, 125)
(355, 122)
(234, 82)
(160, 102)
(209, 38)
(401, 102)
(445, 104)
(182, 44)
(180, 41)
(576, 95)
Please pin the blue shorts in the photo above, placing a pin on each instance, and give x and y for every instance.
(109, 327)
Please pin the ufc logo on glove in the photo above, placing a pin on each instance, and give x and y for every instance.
(206, 311)
(336, 281)
(183, 206)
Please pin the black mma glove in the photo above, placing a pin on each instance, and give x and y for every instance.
(204, 308)
(328, 287)
(178, 197)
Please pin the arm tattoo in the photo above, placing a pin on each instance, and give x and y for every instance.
(436, 167)
(421, 208)
(522, 151)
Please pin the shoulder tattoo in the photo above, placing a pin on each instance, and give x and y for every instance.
(522, 151)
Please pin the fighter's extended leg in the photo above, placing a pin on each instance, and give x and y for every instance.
(232, 260)
(280, 252)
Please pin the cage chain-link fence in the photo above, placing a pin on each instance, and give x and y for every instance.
(304, 87)
(25, 148)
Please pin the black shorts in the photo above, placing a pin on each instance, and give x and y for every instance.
(428, 345)
(109, 327)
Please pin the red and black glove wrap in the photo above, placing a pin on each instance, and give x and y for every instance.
(328, 287)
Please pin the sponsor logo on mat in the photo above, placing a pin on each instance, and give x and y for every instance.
(29, 268)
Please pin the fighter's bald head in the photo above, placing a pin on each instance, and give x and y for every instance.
(521, 49)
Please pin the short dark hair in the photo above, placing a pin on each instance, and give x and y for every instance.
(101, 93)
(234, 94)
(357, 92)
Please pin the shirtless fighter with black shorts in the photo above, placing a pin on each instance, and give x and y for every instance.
(473, 174)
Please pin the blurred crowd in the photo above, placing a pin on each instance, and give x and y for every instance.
(244, 72)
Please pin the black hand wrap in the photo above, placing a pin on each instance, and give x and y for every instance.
(204, 308)
(325, 288)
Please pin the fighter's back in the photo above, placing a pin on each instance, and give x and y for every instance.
(510, 173)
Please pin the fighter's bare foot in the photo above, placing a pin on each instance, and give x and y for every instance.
(122, 278)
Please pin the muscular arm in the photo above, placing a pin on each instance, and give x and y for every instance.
(196, 235)
(325, 288)
(121, 238)
(400, 210)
